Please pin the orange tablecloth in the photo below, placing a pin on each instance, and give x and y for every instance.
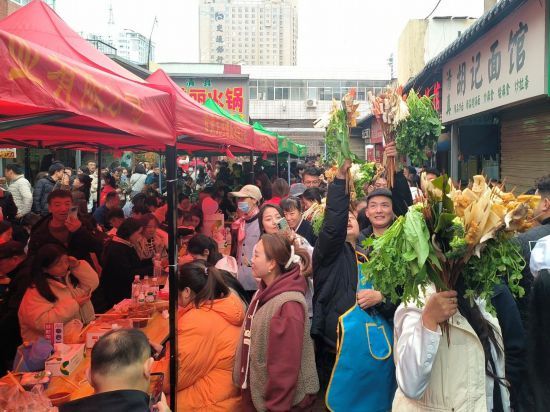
(157, 330)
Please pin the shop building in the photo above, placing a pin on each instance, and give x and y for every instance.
(494, 96)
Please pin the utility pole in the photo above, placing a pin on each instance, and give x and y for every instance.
(155, 21)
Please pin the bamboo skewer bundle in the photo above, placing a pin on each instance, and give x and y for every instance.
(389, 109)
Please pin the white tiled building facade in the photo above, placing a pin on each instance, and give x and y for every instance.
(256, 32)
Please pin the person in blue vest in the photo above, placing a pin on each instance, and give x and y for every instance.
(343, 309)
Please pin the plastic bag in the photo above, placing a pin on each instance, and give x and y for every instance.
(35, 400)
(31, 357)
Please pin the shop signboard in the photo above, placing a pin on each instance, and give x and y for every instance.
(505, 66)
(8, 153)
(231, 93)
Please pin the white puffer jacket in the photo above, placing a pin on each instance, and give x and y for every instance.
(20, 189)
(436, 374)
(35, 310)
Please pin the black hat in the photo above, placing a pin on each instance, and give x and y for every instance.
(379, 192)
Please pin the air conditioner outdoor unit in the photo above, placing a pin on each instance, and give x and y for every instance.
(311, 103)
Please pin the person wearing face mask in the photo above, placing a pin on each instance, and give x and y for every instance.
(208, 331)
(60, 292)
(245, 233)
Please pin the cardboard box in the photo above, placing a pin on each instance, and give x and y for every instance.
(65, 359)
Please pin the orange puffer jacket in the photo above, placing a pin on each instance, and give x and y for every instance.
(208, 339)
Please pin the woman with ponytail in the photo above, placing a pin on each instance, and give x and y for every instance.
(460, 369)
(208, 332)
(275, 361)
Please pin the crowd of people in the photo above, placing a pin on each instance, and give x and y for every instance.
(267, 324)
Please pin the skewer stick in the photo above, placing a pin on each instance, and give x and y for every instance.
(16, 382)
(85, 329)
(74, 385)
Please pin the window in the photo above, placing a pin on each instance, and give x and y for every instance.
(282, 93)
(297, 93)
(313, 93)
(325, 93)
(253, 93)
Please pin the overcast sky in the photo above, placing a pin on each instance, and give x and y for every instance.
(332, 33)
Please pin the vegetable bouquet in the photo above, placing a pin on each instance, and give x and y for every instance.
(390, 110)
(452, 234)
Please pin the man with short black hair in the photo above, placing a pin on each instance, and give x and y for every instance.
(20, 188)
(45, 186)
(311, 177)
(432, 173)
(112, 201)
(114, 218)
(120, 373)
(65, 229)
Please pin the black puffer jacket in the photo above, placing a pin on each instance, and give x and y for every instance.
(334, 267)
(40, 195)
(81, 242)
(9, 209)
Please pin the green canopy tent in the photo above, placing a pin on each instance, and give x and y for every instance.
(284, 144)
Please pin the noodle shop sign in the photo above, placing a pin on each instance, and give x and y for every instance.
(505, 66)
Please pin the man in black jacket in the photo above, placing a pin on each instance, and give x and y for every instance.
(120, 374)
(43, 188)
(528, 240)
(65, 229)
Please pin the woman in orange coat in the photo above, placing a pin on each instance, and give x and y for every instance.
(209, 328)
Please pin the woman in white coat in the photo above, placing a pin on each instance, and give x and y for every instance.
(462, 371)
(60, 292)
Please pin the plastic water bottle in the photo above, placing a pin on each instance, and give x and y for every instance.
(145, 286)
(136, 289)
(157, 265)
(141, 299)
(154, 289)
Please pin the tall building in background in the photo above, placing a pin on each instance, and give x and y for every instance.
(253, 32)
(128, 44)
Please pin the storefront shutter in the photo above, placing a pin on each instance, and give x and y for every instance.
(525, 145)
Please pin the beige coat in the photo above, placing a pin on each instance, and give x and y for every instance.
(433, 375)
(35, 311)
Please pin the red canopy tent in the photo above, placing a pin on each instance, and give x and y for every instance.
(56, 89)
(39, 24)
(47, 97)
(203, 129)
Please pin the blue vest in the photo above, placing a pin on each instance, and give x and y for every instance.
(363, 377)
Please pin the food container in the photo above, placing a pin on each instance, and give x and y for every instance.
(59, 398)
(30, 379)
(140, 322)
(65, 359)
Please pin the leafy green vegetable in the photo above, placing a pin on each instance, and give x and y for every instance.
(500, 260)
(420, 130)
(397, 264)
(317, 223)
(337, 138)
(366, 173)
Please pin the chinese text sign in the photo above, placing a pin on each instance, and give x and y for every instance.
(505, 66)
